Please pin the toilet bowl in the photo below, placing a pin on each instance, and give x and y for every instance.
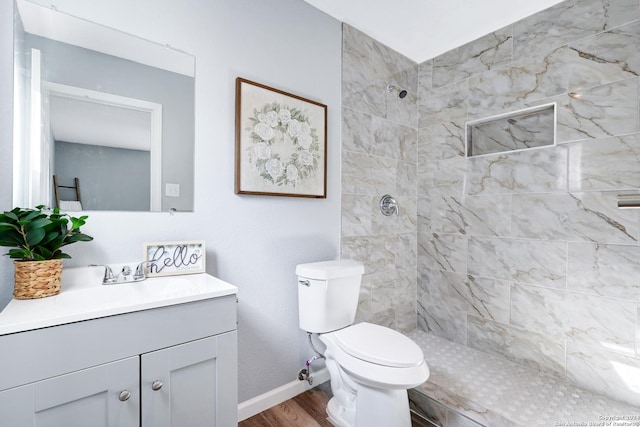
(373, 367)
(370, 366)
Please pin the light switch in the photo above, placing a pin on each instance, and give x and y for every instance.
(172, 190)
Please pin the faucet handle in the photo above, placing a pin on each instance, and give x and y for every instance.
(388, 205)
(109, 278)
(140, 274)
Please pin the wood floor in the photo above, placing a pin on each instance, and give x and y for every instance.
(305, 410)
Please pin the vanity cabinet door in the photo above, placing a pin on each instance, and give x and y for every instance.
(191, 385)
(103, 396)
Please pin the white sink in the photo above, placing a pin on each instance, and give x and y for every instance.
(83, 297)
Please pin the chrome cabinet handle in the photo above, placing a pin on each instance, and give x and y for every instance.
(156, 385)
(124, 395)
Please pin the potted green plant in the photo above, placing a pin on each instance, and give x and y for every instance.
(37, 236)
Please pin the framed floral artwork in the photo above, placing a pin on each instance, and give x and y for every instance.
(281, 143)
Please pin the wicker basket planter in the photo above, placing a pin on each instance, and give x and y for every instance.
(37, 279)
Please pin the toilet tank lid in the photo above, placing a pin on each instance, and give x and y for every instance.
(326, 270)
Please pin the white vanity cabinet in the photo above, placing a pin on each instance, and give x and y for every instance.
(82, 398)
(167, 366)
(188, 385)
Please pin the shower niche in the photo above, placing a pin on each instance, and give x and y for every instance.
(533, 127)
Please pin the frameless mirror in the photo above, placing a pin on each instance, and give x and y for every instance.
(113, 110)
(529, 128)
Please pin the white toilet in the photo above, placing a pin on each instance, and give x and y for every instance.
(371, 367)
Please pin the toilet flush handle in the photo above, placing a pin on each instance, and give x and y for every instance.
(304, 282)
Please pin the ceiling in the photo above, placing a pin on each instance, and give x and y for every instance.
(49, 23)
(94, 123)
(423, 29)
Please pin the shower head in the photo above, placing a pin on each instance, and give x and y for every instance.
(401, 92)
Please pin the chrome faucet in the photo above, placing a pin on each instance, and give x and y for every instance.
(124, 276)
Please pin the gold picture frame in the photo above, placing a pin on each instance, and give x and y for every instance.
(281, 143)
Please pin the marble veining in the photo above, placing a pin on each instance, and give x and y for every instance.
(580, 318)
(479, 296)
(425, 75)
(441, 141)
(357, 215)
(443, 177)
(542, 170)
(423, 215)
(404, 299)
(605, 164)
(406, 251)
(567, 21)
(443, 251)
(366, 174)
(482, 54)
(357, 132)
(406, 177)
(394, 141)
(473, 215)
(441, 320)
(536, 262)
(535, 350)
(606, 57)
(511, 87)
(591, 217)
(599, 112)
(604, 270)
(379, 251)
(444, 104)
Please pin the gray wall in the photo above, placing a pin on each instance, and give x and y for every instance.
(110, 178)
(253, 242)
(87, 69)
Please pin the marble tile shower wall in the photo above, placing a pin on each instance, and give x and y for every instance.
(525, 254)
(379, 156)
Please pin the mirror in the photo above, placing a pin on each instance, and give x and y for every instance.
(108, 108)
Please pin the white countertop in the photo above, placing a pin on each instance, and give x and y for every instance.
(83, 297)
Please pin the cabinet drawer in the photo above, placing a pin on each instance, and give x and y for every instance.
(44, 353)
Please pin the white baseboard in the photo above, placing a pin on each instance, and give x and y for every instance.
(254, 406)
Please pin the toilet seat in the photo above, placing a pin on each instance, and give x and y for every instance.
(377, 344)
(412, 372)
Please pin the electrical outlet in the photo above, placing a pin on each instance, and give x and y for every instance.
(172, 190)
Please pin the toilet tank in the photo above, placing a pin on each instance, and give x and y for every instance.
(328, 294)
